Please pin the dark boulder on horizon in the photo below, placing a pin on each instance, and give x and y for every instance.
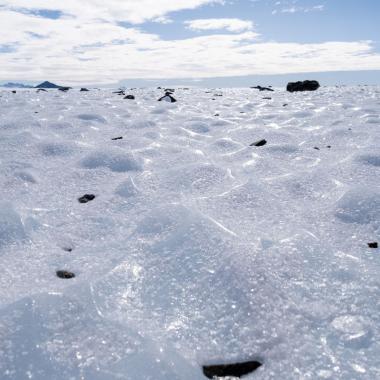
(306, 85)
(167, 98)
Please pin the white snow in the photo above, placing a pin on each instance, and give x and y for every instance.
(198, 248)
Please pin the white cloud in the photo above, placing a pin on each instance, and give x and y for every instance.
(83, 49)
(230, 24)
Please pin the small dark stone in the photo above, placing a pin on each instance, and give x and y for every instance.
(285, 104)
(167, 97)
(14, 91)
(171, 90)
(65, 274)
(67, 249)
(231, 370)
(117, 138)
(35, 111)
(263, 88)
(316, 148)
(373, 245)
(328, 146)
(267, 98)
(86, 198)
(216, 114)
(307, 85)
(131, 97)
(259, 143)
(41, 89)
(84, 89)
(64, 89)
(120, 92)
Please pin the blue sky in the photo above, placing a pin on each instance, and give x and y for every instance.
(194, 42)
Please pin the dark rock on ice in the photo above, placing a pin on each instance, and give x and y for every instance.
(131, 97)
(328, 146)
(117, 138)
(316, 148)
(171, 90)
(373, 245)
(64, 89)
(262, 88)
(121, 92)
(307, 85)
(267, 98)
(84, 89)
(65, 274)
(86, 198)
(14, 91)
(167, 98)
(231, 370)
(285, 104)
(259, 143)
(67, 249)
(41, 89)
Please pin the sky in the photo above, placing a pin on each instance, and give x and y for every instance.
(189, 42)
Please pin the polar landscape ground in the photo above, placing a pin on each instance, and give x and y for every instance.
(198, 248)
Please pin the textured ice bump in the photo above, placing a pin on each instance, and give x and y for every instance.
(11, 227)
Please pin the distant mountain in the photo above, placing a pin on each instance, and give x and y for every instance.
(16, 85)
(47, 84)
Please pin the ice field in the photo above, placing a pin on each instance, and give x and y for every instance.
(198, 248)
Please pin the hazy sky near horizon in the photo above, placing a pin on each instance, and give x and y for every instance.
(97, 41)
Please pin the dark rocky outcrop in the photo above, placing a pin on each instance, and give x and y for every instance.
(64, 89)
(263, 88)
(117, 138)
(167, 98)
(131, 97)
(120, 92)
(307, 85)
(259, 143)
(373, 245)
(83, 89)
(47, 84)
(231, 370)
(65, 274)
(41, 89)
(86, 198)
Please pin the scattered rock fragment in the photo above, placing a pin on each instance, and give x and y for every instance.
(120, 92)
(259, 143)
(86, 198)
(262, 88)
(216, 114)
(67, 249)
(373, 245)
(328, 146)
(131, 97)
(285, 104)
(65, 274)
(231, 370)
(14, 91)
(267, 98)
(41, 89)
(64, 89)
(84, 89)
(171, 90)
(316, 148)
(307, 85)
(167, 98)
(117, 138)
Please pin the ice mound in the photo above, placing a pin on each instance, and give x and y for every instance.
(92, 117)
(360, 205)
(114, 160)
(127, 189)
(52, 149)
(11, 227)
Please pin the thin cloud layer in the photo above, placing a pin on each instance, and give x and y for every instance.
(229, 24)
(87, 43)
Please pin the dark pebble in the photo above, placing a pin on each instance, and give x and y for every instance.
(267, 98)
(328, 146)
(316, 148)
(216, 114)
(373, 245)
(117, 138)
(131, 97)
(259, 143)
(233, 370)
(285, 104)
(86, 198)
(67, 249)
(65, 274)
